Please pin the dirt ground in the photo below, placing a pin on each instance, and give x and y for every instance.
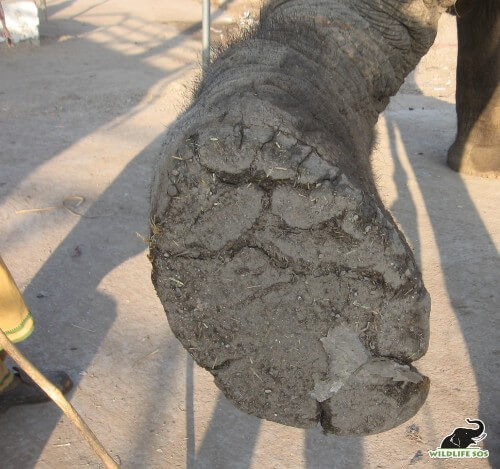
(81, 122)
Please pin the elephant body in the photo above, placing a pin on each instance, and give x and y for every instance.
(279, 268)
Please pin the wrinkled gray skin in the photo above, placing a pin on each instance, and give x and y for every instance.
(279, 268)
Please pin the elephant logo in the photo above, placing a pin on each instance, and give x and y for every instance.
(465, 437)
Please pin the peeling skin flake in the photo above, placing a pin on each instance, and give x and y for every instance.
(348, 356)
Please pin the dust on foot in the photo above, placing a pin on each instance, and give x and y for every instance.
(288, 283)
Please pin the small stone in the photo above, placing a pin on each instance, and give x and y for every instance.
(418, 456)
(42, 294)
(172, 191)
(413, 432)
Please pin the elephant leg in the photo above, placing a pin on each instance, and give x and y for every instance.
(476, 149)
(279, 268)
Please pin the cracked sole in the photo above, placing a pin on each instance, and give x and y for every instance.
(287, 279)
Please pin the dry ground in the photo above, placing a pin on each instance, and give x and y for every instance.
(83, 115)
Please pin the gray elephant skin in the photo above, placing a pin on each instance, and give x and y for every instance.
(279, 268)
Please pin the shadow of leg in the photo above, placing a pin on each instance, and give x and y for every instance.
(74, 318)
(229, 440)
(468, 260)
(332, 452)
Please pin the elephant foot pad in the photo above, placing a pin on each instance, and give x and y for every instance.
(289, 282)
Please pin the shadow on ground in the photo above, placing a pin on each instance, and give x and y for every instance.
(467, 254)
(230, 439)
(92, 313)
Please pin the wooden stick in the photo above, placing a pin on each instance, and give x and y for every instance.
(56, 395)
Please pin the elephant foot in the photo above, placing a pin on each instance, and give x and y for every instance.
(476, 150)
(284, 276)
(475, 160)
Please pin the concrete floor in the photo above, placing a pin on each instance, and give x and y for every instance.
(83, 115)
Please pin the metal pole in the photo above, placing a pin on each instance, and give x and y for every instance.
(206, 34)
